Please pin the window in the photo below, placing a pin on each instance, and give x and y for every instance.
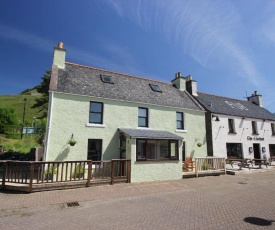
(273, 128)
(234, 150)
(254, 127)
(180, 124)
(94, 149)
(96, 112)
(142, 117)
(106, 79)
(155, 88)
(231, 126)
(150, 149)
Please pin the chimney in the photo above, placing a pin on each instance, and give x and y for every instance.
(256, 98)
(59, 54)
(179, 82)
(191, 86)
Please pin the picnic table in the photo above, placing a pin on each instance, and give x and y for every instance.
(260, 162)
(247, 163)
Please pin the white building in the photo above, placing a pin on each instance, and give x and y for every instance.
(236, 128)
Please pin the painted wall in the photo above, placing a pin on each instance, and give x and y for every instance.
(70, 115)
(243, 130)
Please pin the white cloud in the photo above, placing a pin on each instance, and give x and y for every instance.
(208, 31)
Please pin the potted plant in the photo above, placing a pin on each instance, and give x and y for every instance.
(50, 172)
(72, 142)
(121, 149)
(199, 144)
(79, 170)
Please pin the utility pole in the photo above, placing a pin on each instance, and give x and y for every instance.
(23, 122)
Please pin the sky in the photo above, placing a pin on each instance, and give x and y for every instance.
(228, 46)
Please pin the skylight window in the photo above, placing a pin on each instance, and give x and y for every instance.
(106, 79)
(155, 88)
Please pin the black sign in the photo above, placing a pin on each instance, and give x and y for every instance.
(255, 138)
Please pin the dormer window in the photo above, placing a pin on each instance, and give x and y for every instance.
(106, 79)
(155, 88)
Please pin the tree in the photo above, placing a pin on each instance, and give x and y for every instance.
(8, 119)
(43, 88)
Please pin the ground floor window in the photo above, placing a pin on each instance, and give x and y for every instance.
(149, 149)
(234, 150)
(94, 149)
(272, 150)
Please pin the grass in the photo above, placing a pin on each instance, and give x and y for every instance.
(16, 102)
(20, 146)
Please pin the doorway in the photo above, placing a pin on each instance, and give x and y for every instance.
(257, 152)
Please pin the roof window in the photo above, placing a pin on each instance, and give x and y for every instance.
(155, 88)
(106, 79)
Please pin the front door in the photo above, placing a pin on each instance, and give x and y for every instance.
(257, 153)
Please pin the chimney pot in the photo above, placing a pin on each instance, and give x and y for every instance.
(60, 45)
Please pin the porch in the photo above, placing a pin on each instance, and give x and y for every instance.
(33, 176)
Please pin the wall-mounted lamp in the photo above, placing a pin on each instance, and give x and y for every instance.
(263, 120)
(263, 149)
(217, 118)
(250, 149)
(243, 118)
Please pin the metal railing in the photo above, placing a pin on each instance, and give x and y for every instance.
(50, 172)
(203, 164)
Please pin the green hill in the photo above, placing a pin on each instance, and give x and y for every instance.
(17, 103)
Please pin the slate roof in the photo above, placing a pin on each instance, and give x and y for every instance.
(150, 134)
(83, 80)
(234, 107)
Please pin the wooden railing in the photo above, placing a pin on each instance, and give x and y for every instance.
(49, 172)
(209, 164)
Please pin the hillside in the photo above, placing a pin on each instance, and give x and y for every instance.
(17, 103)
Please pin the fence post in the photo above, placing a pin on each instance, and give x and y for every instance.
(89, 174)
(112, 172)
(4, 174)
(31, 176)
(196, 166)
(129, 171)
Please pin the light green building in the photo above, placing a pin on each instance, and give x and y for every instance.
(113, 115)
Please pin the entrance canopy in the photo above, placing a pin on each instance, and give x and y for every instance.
(150, 134)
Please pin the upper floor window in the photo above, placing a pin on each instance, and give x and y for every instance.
(254, 127)
(273, 128)
(180, 119)
(142, 117)
(155, 88)
(231, 126)
(96, 112)
(106, 79)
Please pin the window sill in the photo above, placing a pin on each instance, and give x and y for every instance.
(155, 160)
(143, 128)
(232, 133)
(96, 125)
(181, 130)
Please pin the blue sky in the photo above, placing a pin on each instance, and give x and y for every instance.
(227, 46)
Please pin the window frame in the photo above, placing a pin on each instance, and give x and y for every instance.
(231, 126)
(155, 88)
(254, 128)
(146, 149)
(101, 112)
(146, 117)
(181, 121)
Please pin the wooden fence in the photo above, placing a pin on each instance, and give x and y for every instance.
(37, 175)
(206, 164)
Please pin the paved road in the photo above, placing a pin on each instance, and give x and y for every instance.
(244, 201)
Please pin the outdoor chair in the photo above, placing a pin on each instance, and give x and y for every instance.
(188, 164)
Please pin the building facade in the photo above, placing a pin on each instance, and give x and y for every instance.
(237, 128)
(113, 115)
